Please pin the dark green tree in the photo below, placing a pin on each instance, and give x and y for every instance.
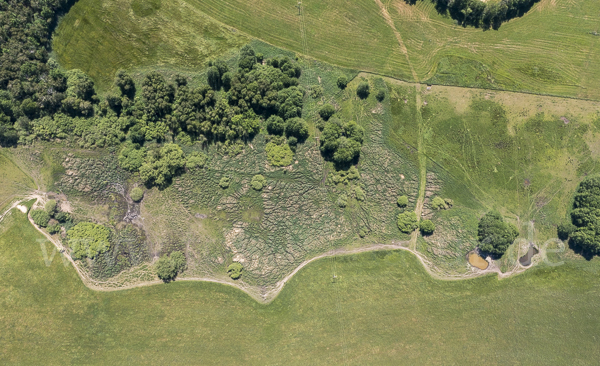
(326, 111)
(495, 235)
(363, 90)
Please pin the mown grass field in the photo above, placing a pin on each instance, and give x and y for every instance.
(383, 309)
(550, 50)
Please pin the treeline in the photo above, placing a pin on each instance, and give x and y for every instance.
(29, 87)
(481, 14)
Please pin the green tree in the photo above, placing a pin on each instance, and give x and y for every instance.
(326, 111)
(342, 82)
(132, 157)
(347, 151)
(225, 182)
(565, 230)
(275, 125)
(407, 222)
(196, 160)
(40, 217)
(136, 194)
(402, 201)
(87, 240)
(63, 217)
(586, 217)
(258, 182)
(380, 96)
(160, 167)
(495, 235)
(363, 90)
(168, 267)
(235, 270)
(296, 127)
(427, 227)
(50, 207)
(438, 203)
(124, 82)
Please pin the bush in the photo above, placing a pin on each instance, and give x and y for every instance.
(275, 125)
(62, 217)
(438, 203)
(407, 222)
(160, 167)
(360, 194)
(225, 182)
(363, 90)
(296, 127)
(50, 207)
(136, 194)
(179, 261)
(87, 240)
(235, 270)
(315, 91)
(427, 227)
(565, 230)
(196, 160)
(258, 182)
(168, 267)
(279, 155)
(402, 201)
(342, 82)
(342, 201)
(40, 217)
(54, 229)
(494, 234)
(326, 111)
(380, 96)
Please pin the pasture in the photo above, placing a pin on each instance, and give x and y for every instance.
(382, 308)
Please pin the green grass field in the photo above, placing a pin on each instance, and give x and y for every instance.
(550, 50)
(383, 309)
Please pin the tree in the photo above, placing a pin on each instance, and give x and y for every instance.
(124, 82)
(168, 267)
(407, 222)
(296, 127)
(326, 111)
(136, 194)
(225, 182)
(427, 227)
(380, 96)
(402, 201)
(258, 182)
(132, 157)
(363, 90)
(63, 217)
(495, 235)
(235, 270)
(50, 207)
(87, 240)
(40, 217)
(214, 78)
(342, 82)
(275, 125)
(161, 166)
(586, 216)
(347, 151)
(565, 230)
(196, 160)
(438, 203)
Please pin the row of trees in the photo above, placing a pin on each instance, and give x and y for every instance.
(584, 228)
(482, 14)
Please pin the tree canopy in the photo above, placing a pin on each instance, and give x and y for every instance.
(87, 240)
(586, 216)
(168, 267)
(495, 235)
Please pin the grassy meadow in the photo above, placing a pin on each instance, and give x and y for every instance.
(550, 50)
(382, 309)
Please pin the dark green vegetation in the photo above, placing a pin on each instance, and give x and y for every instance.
(40, 217)
(585, 237)
(168, 267)
(427, 227)
(235, 270)
(477, 13)
(407, 222)
(87, 240)
(494, 234)
(383, 309)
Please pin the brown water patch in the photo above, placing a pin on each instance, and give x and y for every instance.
(476, 261)
(526, 259)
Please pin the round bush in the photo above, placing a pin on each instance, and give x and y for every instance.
(235, 270)
(275, 125)
(342, 82)
(136, 194)
(363, 90)
(380, 95)
(54, 229)
(427, 227)
(342, 201)
(360, 194)
(258, 182)
(326, 111)
(407, 222)
(40, 217)
(225, 182)
(438, 203)
(402, 201)
(50, 207)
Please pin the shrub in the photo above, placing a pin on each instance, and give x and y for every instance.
(315, 91)
(362, 233)
(87, 240)
(275, 125)
(438, 203)
(279, 155)
(342, 201)
(258, 182)
(235, 270)
(407, 222)
(363, 90)
(342, 82)
(565, 230)
(380, 96)
(360, 194)
(132, 157)
(62, 217)
(168, 267)
(296, 127)
(50, 207)
(136, 194)
(159, 168)
(402, 201)
(586, 216)
(494, 234)
(40, 217)
(179, 261)
(326, 111)
(54, 229)
(427, 227)
(225, 182)
(196, 160)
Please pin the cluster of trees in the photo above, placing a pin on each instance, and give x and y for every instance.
(51, 217)
(30, 87)
(341, 142)
(584, 230)
(168, 267)
(478, 13)
(495, 235)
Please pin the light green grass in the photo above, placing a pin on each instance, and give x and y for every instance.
(383, 309)
(14, 182)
